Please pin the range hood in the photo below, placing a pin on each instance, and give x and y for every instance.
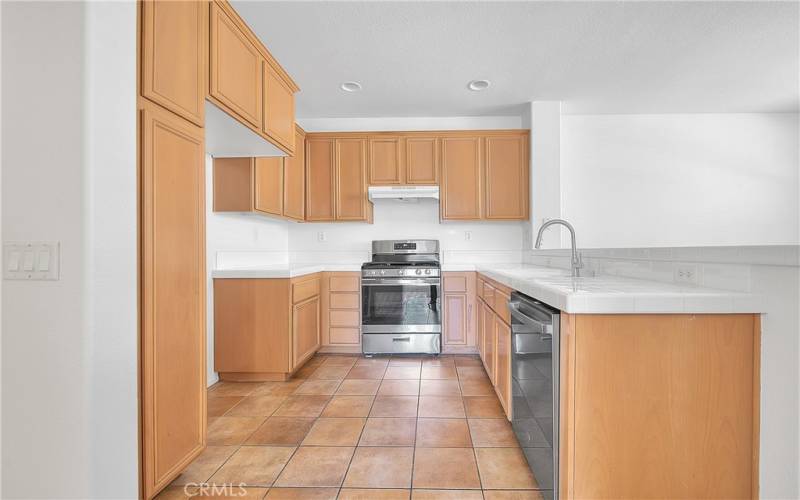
(403, 193)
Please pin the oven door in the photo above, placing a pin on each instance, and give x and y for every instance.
(400, 305)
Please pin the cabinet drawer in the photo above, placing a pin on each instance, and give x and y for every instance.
(344, 283)
(344, 335)
(487, 292)
(345, 318)
(501, 299)
(304, 289)
(344, 300)
(455, 283)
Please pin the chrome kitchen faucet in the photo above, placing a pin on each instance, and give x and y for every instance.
(577, 263)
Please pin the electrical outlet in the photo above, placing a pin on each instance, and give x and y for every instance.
(467, 235)
(321, 236)
(686, 273)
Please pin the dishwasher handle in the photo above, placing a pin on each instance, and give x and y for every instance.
(546, 329)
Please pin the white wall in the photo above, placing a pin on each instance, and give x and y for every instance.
(677, 180)
(267, 239)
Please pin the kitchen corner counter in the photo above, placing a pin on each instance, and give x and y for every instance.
(281, 270)
(617, 295)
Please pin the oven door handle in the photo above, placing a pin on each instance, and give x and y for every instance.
(404, 282)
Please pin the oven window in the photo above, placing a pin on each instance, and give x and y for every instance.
(400, 305)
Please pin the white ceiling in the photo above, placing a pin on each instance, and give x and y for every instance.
(416, 58)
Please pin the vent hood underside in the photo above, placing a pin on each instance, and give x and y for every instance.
(403, 192)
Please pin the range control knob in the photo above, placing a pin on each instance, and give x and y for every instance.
(418, 271)
(383, 271)
(427, 271)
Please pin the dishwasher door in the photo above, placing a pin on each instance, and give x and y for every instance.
(535, 376)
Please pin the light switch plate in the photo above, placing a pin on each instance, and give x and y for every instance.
(31, 260)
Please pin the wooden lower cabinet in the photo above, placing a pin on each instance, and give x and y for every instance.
(489, 339)
(265, 329)
(502, 382)
(173, 291)
(341, 312)
(659, 406)
(459, 313)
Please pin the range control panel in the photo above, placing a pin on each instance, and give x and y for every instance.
(418, 272)
(405, 245)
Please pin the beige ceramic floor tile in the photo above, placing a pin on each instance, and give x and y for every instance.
(372, 372)
(483, 407)
(405, 361)
(233, 388)
(439, 372)
(441, 407)
(472, 372)
(302, 406)
(373, 494)
(389, 432)
(399, 388)
(476, 387)
(204, 466)
(468, 361)
(402, 372)
(232, 430)
(512, 495)
(394, 406)
(446, 495)
(504, 468)
(302, 494)
(333, 372)
(305, 372)
(380, 468)
(318, 387)
(374, 361)
(348, 406)
(232, 492)
(340, 361)
(253, 465)
(353, 387)
(176, 493)
(281, 431)
(445, 468)
(316, 466)
(335, 432)
(442, 433)
(442, 360)
(439, 388)
(256, 406)
(217, 406)
(492, 433)
(278, 388)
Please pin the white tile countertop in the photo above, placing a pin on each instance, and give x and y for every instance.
(555, 287)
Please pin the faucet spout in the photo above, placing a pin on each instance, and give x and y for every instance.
(577, 264)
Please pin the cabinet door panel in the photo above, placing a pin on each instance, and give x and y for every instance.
(305, 330)
(489, 340)
(351, 179)
(503, 368)
(422, 160)
(345, 336)
(507, 177)
(172, 295)
(173, 52)
(460, 188)
(278, 108)
(385, 164)
(345, 301)
(269, 185)
(455, 319)
(236, 68)
(319, 179)
(294, 180)
(480, 328)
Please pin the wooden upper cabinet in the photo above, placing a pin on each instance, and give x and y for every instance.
(385, 162)
(294, 179)
(507, 185)
(278, 108)
(422, 160)
(173, 295)
(351, 178)
(268, 185)
(460, 189)
(233, 185)
(236, 72)
(173, 56)
(320, 179)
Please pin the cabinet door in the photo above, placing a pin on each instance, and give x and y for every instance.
(489, 340)
(173, 295)
(278, 108)
(422, 160)
(480, 328)
(503, 368)
(319, 180)
(507, 177)
(236, 69)
(305, 330)
(173, 56)
(269, 185)
(455, 319)
(294, 180)
(460, 189)
(351, 177)
(385, 162)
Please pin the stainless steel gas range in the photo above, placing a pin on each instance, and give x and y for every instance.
(401, 298)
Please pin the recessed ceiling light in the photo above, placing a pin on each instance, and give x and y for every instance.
(478, 85)
(351, 86)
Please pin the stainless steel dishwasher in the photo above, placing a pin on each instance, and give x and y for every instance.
(534, 378)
